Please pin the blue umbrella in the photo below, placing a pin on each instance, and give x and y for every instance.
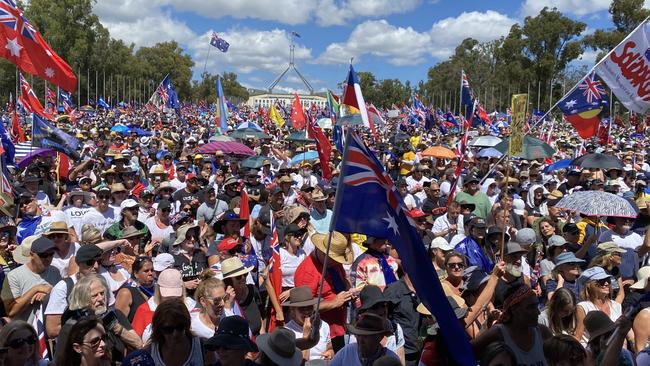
(560, 164)
(489, 152)
(120, 128)
(139, 131)
(249, 124)
(306, 156)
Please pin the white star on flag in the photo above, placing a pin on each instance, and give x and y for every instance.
(571, 103)
(13, 47)
(49, 72)
(392, 224)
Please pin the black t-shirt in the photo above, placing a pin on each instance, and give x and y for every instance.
(191, 269)
(252, 307)
(185, 198)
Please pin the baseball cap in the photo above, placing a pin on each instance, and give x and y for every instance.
(478, 222)
(592, 274)
(170, 283)
(164, 204)
(227, 244)
(441, 243)
(610, 247)
(88, 252)
(129, 203)
(42, 245)
(162, 261)
(556, 241)
(293, 229)
(526, 236)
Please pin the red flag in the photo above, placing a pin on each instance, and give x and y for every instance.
(63, 165)
(244, 213)
(29, 99)
(275, 271)
(323, 146)
(585, 123)
(297, 114)
(16, 130)
(21, 44)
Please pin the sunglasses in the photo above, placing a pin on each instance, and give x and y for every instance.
(19, 342)
(46, 255)
(435, 190)
(94, 343)
(456, 265)
(604, 282)
(169, 329)
(4, 236)
(91, 262)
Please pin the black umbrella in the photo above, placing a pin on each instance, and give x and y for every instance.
(599, 161)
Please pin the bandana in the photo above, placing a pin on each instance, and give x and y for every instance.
(514, 299)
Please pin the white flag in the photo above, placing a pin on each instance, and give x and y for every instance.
(627, 70)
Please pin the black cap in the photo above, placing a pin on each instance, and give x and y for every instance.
(294, 229)
(265, 219)
(42, 245)
(571, 229)
(306, 188)
(470, 179)
(478, 222)
(275, 190)
(88, 252)
(164, 204)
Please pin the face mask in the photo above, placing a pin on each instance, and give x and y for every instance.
(513, 269)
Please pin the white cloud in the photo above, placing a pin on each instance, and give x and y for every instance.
(331, 13)
(588, 57)
(575, 7)
(250, 50)
(405, 46)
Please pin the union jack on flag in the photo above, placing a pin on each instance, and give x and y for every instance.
(592, 89)
(13, 18)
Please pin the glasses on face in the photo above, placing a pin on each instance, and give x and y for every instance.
(94, 343)
(91, 262)
(604, 282)
(19, 342)
(456, 265)
(169, 329)
(4, 236)
(219, 300)
(46, 255)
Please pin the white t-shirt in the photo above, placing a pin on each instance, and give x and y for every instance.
(630, 241)
(101, 220)
(47, 218)
(315, 353)
(615, 312)
(412, 183)
(75, 217)
(63, 263)
(198, 328)
(289, 263)
(113, 284)
(158, 233)
(177, 184)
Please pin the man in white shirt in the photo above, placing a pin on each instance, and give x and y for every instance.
(449, 224)
(305, 176)
(102, 215)
(416, 182)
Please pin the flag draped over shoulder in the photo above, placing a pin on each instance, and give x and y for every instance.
(368, 202)
(585, 105)
(46, 135)
(22, 45)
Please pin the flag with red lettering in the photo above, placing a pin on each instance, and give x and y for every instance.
(297, 114)
(627, 70)
(21, 44)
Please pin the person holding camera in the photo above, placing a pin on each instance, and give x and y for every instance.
(89, 297)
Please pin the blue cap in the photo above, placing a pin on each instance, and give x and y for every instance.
(567, 257)
(592, 274)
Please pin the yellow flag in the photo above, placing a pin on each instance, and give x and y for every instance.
(517, 120)
(276, 117)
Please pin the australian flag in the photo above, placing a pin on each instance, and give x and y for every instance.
(46, 135)
(467, 100)
(585, 106)
(102, 103)
(368, 202)
(168, 94)
(219, 43)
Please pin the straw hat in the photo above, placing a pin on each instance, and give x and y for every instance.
(57, 227)
(340, 251)
(22, 253)
(233, 267)
(90, 234)
(158, 171)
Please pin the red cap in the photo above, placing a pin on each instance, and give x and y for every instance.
(416, 213)
(227, 244)
(190, 176)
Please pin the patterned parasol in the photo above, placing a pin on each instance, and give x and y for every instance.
(597, 203)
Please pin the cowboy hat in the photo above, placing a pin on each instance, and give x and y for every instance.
(370, 324)
(164, 185)
(300, 296)
(232, 333)
(57, 227)
(233, 267)
(280, 347)
(339, 251)
(229, 215)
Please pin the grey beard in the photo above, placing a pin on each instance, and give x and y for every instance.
(513, 270)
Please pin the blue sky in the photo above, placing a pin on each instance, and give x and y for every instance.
(391, 38)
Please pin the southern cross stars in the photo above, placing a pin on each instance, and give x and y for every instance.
(13, 47)
(392, 224)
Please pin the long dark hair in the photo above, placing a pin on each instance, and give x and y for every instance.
(167, 311)
(76, 335)
(560, 299)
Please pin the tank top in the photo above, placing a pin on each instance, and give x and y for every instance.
(533, 357)
(195, 358)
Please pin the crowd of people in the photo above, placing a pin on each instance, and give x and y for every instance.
(145, 254)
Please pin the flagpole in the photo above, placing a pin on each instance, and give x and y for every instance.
(593, 68)
(205, 64)
(460, 94)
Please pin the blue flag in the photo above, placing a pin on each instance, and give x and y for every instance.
(102, 103)
(46, 135)
(168, 94)
(467, 100)
(9, 154)
(222, 108)
(368, 202)
(219, 43)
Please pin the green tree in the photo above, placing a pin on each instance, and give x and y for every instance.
(626, 15)
(167, 58)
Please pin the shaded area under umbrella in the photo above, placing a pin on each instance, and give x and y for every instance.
(249, 133)
(299, 136)
(597, 203)
(532, 148)
(227, 147)
(29, 158)
(485, 141)
(350, 120)
(599, 161)
(222, 138)
(254, 162)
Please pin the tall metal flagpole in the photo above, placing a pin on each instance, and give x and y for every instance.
(460, 95)
(79, 88)
(205, 64)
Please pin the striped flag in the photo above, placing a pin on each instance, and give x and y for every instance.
(275, 272)
(39, 326)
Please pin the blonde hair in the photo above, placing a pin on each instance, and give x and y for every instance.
(208, 284)
(603, 260)
(589, 291)
(80, 295)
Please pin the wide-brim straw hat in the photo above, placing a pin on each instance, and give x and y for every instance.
(233, 267)
(339, 251)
